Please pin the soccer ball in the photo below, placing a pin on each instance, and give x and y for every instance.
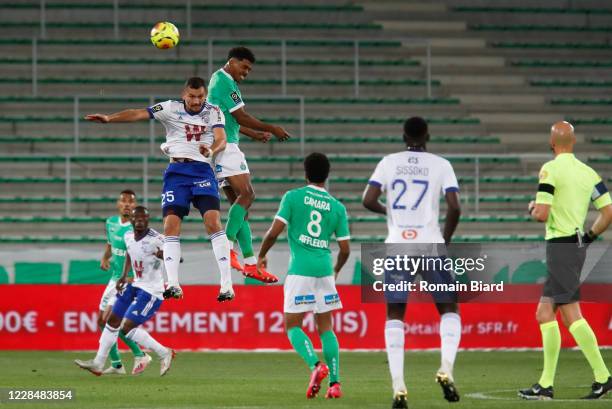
(164, 35)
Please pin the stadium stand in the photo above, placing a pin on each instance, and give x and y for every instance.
(500, 77)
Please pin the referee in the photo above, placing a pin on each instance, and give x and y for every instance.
(566, 186)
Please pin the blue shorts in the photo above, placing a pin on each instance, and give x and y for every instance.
(432, 277)
(189, 182)
(136, 304)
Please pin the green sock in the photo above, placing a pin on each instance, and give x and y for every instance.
(551, 344)
(235, 219)
(114, 355)
(331, 352)
(133, 346)
(303, 346)
(586, 340)
(245, 240)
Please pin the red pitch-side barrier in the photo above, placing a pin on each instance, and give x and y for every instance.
(63, 317)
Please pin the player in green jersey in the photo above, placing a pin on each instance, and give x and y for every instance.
(113, 261)
(566, 188)
(231, 166)
(312, 217)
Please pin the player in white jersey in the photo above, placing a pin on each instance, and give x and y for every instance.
(139, 300)
(413, 181)
(194, 136)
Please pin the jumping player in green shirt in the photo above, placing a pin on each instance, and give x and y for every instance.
(231, 166)
(566, 188)
(113, 261)
(312, 217)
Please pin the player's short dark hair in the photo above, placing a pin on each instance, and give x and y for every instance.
(142, 209)
(416, 131)
(317, 167)
(195, 83)
(127, 192)
(241, 53)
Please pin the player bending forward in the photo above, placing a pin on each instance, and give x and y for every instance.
(138, 301)
(312, 216)
(194, 136)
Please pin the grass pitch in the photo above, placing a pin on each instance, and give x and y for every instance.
(278, 380)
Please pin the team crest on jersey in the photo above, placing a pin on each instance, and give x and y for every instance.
(409, 234)
(157, 108)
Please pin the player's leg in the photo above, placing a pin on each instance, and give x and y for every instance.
(176, 200)
(546, 315)
(394, 344)
(110, 333)
(299, 298)
(587, 342)
(141, 310)
(105, 309)
(209, 206)
(450, 337)
(231, 198)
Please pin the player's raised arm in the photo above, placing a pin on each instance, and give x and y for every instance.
(249, 121)
(128, 115)
(260, 136)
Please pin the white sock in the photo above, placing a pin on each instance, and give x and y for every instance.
(250, 260)
(450, 335)
(394, 342)
(107, 340)
(221, 248)
(172, 259)
(142, 337)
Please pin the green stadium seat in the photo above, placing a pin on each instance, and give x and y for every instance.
(180, 7)
(38, 273)
(86, 272)
(531, 10)
(552, 46)
(537, 28)
(561, 64)
(208, 25)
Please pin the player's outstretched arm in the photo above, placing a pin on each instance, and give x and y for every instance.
(128, 115)
(343, 255)
(268, 241)
(247, 120)
(453, 211)
(260, 136)
(370, 201)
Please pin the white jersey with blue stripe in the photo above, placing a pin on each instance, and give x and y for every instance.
(414, 182)
(148, 268)
(186, 131)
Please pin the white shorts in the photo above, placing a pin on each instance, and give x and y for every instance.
(109, 295)
(316, 294)
(230, 162)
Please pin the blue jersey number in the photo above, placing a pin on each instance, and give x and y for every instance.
(402, 187)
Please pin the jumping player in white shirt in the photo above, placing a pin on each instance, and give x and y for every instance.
(194, 136)
(138, 301)
(413, 181)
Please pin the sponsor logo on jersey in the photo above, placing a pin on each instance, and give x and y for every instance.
(204, 183)
(304, 299)
(157, 108)
(409, 234)
(235, 97)
(331, 299)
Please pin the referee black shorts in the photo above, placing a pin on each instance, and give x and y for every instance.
(564, 261)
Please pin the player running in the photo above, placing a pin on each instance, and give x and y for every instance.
(565, 189)
(113, 261)
(194, 136)
(412, 210)
(138, 301)
(231, 166)
(312, 216)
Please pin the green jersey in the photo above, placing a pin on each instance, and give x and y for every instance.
(115, 230)
(223, 91)
(568, 186)
(312, 216)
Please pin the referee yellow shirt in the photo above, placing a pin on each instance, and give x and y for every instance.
(568, 185)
